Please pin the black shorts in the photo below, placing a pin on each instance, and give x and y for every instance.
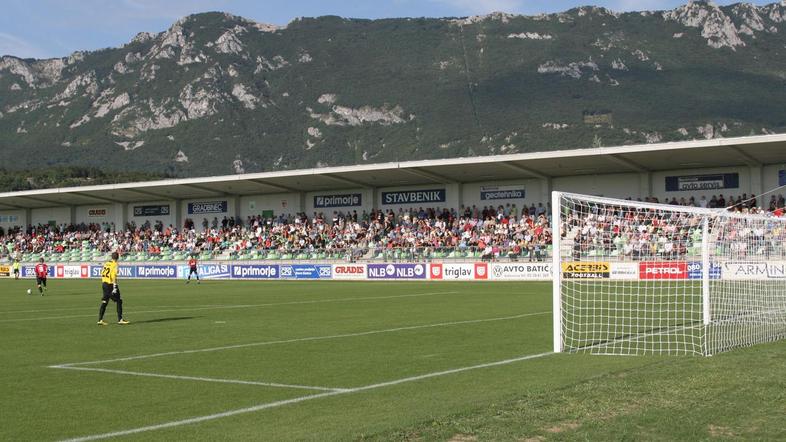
(107, 288)
(193, 270)
(16, 271)
(40, 281)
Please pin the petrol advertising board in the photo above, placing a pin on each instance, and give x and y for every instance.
(349, 271)
(458, 271)
(305, 271)
(396, 271)
(521, 271)
(586, 270)
(255, 271)
(663, 270)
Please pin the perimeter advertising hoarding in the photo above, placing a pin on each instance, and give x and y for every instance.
(754, 271)
(586, 270)
(349, 271)
(305, 271)
(206, 271)
(72, 271)
(521, 271)
(396, 271)
(459, 271)
(255, 271)
(663, 270)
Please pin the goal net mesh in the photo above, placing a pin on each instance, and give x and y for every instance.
(638, 278)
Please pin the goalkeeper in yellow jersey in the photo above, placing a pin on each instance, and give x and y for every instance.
(111, 291)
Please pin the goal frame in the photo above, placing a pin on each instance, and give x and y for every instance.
(708, 216)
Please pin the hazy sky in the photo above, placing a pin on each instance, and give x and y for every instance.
(55, 28)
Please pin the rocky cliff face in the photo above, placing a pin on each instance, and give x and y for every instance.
(216, 93)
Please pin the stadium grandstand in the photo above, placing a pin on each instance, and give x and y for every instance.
(480, 208)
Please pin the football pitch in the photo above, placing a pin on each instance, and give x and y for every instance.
(352, 361)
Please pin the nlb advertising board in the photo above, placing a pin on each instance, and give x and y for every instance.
(396, 271)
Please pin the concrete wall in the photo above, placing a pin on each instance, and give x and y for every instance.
(619, 185)
(12, 218)
(279, 203)
(60, 215)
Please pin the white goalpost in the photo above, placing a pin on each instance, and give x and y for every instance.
(635, 278)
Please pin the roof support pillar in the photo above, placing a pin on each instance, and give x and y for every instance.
(757, 184)
(460, 195)
(72, 210)
(179, 215)
(236, 207)
(645, 185)
(375, 198)
(28, 218)
(546, 187)
(123, 217)
(301, 196)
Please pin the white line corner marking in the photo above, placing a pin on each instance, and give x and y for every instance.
(325, 391)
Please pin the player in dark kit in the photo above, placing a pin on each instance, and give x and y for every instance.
(111, 291)
(192, 265)
(41, 271)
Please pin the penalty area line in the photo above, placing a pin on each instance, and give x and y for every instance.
(305, 339)
(224, 307)
(196, 378)
(210, 417)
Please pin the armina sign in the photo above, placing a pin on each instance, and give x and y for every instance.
(347, 200)
(199, 207)
(414, 197)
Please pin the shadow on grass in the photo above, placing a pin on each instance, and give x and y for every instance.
(178, 318)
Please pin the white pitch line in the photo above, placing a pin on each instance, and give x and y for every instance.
(198, 419)
(197, 378)
(191, 309)
(305, 339)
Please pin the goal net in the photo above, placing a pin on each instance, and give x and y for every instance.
(635, 278)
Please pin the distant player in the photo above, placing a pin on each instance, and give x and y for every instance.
(111, 291)
(15, 266)
(41, 271)
(192, 266)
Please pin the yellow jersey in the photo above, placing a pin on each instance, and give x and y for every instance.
(16, 265)
(109, 272)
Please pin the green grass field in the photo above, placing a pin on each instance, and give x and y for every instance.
(353, 361)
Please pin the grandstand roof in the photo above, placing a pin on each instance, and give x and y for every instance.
(743, 151)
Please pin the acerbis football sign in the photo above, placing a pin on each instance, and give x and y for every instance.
(586, 270)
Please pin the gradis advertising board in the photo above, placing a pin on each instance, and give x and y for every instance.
(349, 271)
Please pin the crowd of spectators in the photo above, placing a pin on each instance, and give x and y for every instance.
(487, 232)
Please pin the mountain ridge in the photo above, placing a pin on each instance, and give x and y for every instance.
(217, 93)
